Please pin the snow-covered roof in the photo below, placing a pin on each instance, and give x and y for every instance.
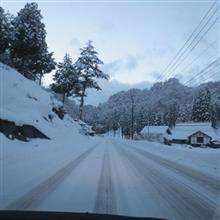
(154, 129)
(184, 130)
(194, 124)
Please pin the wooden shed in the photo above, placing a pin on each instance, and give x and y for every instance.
(199, 139)
(196, 134)
(155, 133)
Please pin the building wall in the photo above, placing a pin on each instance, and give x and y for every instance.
(206, 139)
(153, 136)
(179, 141)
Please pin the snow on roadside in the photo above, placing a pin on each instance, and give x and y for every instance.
(25, 102)
(25, 164)
(205, 160)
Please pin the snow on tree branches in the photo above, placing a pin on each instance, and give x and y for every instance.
(29, 50)
(88, 67)
(66, 78)
(201, 106)
(5, 35)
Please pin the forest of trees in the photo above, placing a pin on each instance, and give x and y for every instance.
(23, 46)
(23, 42)
(163, 104)
(73, 79)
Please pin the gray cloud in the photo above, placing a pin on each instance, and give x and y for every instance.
(106, 26)
(74, 46)
(131, 62)
(75, 42)
(113, 67)
(154, 75)
(109, 88)
(127, 64)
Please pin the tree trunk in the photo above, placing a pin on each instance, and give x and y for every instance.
(40, 80)
(64, 96)
(81, 104)
(81, 107)
(132, 118)
(22, 67)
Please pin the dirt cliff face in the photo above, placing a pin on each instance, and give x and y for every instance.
(11, 130)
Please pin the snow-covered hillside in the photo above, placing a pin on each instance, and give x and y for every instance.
(25, 102)
(28, 163)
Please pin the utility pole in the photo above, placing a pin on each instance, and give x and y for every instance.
(119, 130)
(148, 128)
(132, 120)
(132, 115)
(148, 131)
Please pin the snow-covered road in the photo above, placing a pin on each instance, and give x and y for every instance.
(118, 177)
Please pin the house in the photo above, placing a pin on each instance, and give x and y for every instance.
(156, 133)
(193, 133)
(196, 134)
(199, 138)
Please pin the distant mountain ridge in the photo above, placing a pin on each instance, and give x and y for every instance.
(149, 105)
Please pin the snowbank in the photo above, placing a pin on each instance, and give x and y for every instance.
(25, 102)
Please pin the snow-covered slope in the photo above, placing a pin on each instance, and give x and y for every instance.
(26, 164)
(25, 102)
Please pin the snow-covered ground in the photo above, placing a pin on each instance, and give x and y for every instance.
(107, 176)
(26, 164)
(74, 172)
(25, 102)
(205, 160)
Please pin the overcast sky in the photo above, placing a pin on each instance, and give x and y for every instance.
(135, 39)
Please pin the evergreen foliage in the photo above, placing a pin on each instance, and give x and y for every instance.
(28, 47)
(87, 66)
(201, 106)
(66, 78)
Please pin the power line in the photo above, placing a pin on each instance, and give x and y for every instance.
(213, 23)
(189, 38)
(214, 74)
(175, 65)
(205, 75)
(200, 74)
(206, 49)
(204, 70)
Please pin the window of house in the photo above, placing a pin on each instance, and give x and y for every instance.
(200, 139)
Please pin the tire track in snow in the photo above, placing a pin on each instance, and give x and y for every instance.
(210, 183)
(105, 199)
(34, 197)
(184, 202)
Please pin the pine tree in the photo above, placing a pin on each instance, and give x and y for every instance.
(215, 114)
(88, 67)
(4, 31)
(158, 119)
(185, 112)
(66, 78)
(173, 114)
(28, 48)
(201, 106)
(5, 35)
